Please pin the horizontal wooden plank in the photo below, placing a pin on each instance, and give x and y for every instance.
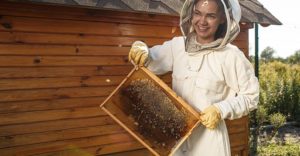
(51, 104)
(238, 139)
(240, 43)
(29, 61)
(241, 121)
(13, 61)
(72, 71)
(29, 24)
(239, 151)
(71, 39)
(82, 39)
(61, 61)
(143, 152)
(85, 14)
(237, 129)
(64, 82)
(238, 125)
(238, 148)
(65, 50)
(41, 50)
(97, 150)
(57, 93)
(45, 126)
(70, 151)
(115, 148)
(66, 144)
(43, 94)
(39, 72)
(166, 77)
(34, 138)
(47, 115)
(25, 49)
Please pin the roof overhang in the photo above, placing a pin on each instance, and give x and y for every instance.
(252, 10)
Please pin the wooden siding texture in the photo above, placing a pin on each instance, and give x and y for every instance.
(57, 64)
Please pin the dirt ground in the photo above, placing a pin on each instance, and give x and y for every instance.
(289, 132)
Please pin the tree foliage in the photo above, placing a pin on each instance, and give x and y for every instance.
(295, 58)
(267, 54)
(280, 88)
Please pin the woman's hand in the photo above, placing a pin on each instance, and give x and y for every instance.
(138, 53)
(210, 117)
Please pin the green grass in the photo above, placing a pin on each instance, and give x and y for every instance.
(273, 149)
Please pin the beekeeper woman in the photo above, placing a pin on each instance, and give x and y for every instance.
(211, 74)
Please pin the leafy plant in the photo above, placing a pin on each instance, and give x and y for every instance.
(277, 120)
(280, 88)
(289, 149)
(279, 101)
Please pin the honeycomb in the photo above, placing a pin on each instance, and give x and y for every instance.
(154, 114)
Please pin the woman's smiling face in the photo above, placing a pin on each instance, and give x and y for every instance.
(207, 17)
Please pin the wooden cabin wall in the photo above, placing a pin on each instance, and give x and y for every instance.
(57, 64)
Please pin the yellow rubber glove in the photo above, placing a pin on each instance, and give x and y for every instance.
(138, 53)
(210, 117)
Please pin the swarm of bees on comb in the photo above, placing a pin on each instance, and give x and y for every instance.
(155, 115)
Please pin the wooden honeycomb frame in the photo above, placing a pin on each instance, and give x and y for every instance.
(113, 107)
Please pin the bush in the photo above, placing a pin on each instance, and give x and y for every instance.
(280, 150)
(279, 101)
(277, 120)
(261, 115)
(280, 89)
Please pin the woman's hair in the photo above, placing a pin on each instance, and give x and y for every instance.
(221, 31)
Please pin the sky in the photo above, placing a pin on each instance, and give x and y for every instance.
(284, 39)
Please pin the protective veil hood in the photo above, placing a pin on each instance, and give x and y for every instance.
(233, 16)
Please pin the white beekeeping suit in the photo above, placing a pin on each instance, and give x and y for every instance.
(216, 74)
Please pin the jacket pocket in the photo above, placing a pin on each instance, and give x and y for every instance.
(178, 80)
(209, 85)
